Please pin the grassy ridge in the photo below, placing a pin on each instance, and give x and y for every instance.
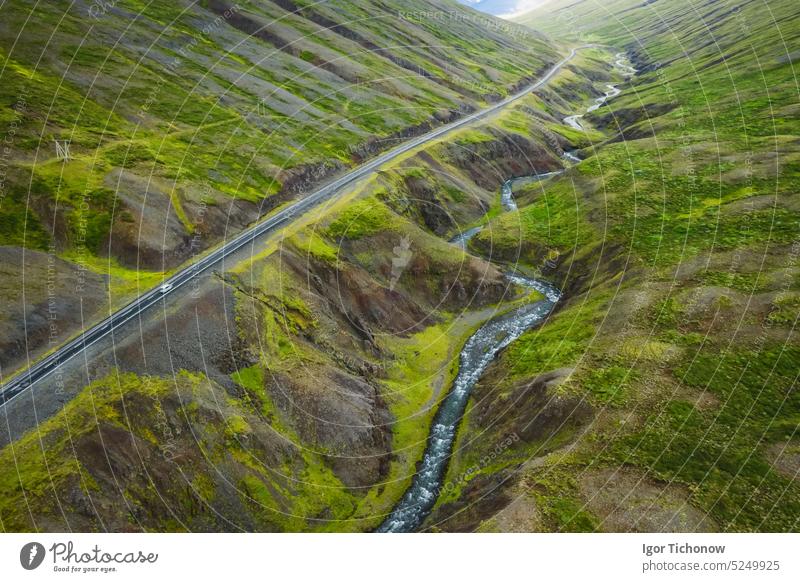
(182, 92)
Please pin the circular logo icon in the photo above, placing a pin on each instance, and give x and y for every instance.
(31, 555)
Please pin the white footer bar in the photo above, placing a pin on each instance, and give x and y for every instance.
(423, 557)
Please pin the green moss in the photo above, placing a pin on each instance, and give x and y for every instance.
(556, 219)
(258, 493)
(745, 282)
(19, 225)
(567, 514)
(251, 378)
(719, 453)
(579, 139)
(236, 427)
(555, 490)
(128, 155)
(560, 342)
(785, 309)
(409, 390)
(31, 474)
(204, 486)
(471, 137)
(315, 246)
(292, 499)
(363, 218)
(123, 282)
(666, 313)
(609, 385)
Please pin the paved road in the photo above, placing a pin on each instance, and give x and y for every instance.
(51, 363)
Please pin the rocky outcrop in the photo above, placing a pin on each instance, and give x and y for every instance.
(633, 123)
(373, 146)
(150, 471)
(302, 179)
(59, 297)
(146, 232)
(489, 163)
(340, 414)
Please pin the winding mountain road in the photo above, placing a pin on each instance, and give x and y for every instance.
(49, 364)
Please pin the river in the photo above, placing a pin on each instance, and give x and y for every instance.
(476, 355)
(611, 91)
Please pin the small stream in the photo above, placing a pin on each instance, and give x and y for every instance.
(611, 91)
(507, 198)
(622, 64)
(506, 194)
(462, 239)
(476, 355)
